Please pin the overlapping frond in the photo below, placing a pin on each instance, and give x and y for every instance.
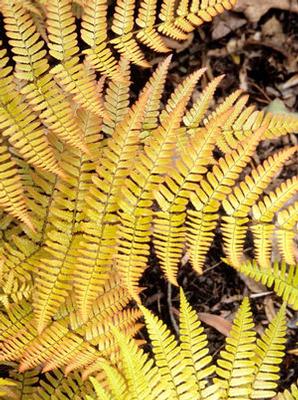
(137, 194)
(240, 201)
(68, 341)
(263, 214)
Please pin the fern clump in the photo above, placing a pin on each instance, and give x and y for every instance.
(91, 183)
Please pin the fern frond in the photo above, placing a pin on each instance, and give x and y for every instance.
(117, 99)
(173, 195)
(156, 84)
(97, 244)
(263, 213)
(239, 202)
(209, 194)
(167, 354)
(94, 33)
(194, 347)
(280, 124)
(282, 278)
(73, 76)
(58, 253)
(46, 97)
(25, 42)
(12, 197)
(137, 194)
(56, 385)
(235, 366)
(269, 353)
(285, 234)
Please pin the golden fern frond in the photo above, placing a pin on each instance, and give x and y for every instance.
(285, 233)
(194, 348)
(194, 116)
(72, 75)
(263, 214)
(156, 84)
(280, 124)
(117, 99)
(235, 366)
(12, 196)
(173, 196)
(58, 253)
(56, 385)
(96, 248)
(282, 278)
(268, 355)
(210, 193)
(25, 42)
(122, 26)
(45, 96)
(137, 194)
(94, 34)
(174, 20)
(167, 354)
(238, 204)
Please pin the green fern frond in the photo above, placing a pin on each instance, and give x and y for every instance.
(282, 278)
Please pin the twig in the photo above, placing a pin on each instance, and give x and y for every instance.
(170, 305)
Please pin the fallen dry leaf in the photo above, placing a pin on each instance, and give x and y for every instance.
(255, 9)
(217, 322)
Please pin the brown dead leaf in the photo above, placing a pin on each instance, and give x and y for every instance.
(255, 9)
(226, 23)
(217, 322)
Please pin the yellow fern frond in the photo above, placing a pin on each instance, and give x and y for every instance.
(137, 193)
(167, 354)
(285, 233)
(290, 394)
(269, 353)
(45, 96)
(156, 84)
(209, 194)
(194, 347)
(238, 203)
(96, 248)
(94, 33)
(117, 99)
(235, 367)
(12, 197)
(27, 135)
(263, 213)
(70, 73)
(25, 42)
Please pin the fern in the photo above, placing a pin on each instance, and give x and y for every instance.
(91, 180)
(182, 370)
